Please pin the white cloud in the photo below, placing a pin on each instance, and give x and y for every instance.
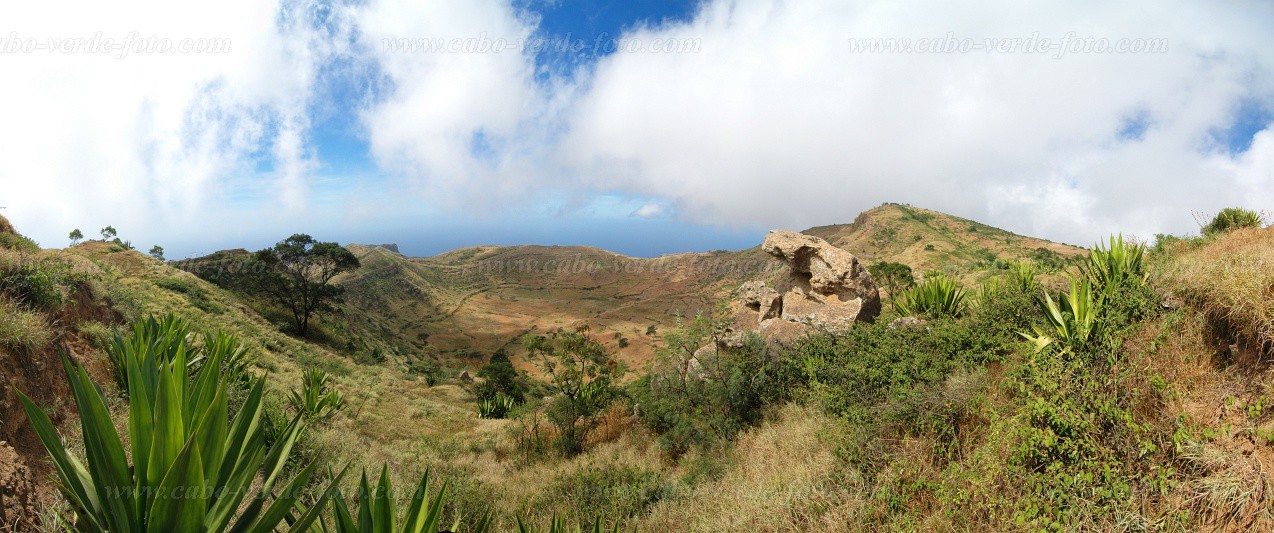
(457, 125)
(650, 211)
(773, 122)
(152, 142)
(776, 122)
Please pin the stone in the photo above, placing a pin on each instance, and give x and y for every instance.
(826, 288)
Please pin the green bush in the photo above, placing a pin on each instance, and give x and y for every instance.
(1232, 218)
(40, 283)
(695, 398)
(582, 377)
(500, 378)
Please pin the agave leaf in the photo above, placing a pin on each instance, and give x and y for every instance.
(180, 502)
(73, 478)
(107, 462)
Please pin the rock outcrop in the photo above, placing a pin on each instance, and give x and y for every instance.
(826, 288)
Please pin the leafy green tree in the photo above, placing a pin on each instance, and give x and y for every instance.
(109, 233)
(895, 277)
(581, 375)
(157, 252)
(76, 236)
(297, 274)
(500, 377)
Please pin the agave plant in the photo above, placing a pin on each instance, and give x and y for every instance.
(234, 360)
(1023, 274)
(935, 297)
(189, 465)
(164, 339)
(495, 407)
(1232, 218)
(1073, 323)
(558, 525)
(316, 401)
(1110, 267)
(376, 511)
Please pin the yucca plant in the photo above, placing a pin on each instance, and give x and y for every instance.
(1108, 268)
(189, 465)
(497, 406)
(1074, 323)
(935, 297)
(316, 401)
(558, 525)
(376, 512)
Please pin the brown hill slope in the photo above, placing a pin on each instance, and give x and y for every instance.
(469, 302)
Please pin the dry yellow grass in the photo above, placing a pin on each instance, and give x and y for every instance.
(1232, 279)
(783, 476)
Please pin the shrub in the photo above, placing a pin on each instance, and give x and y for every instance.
(894, 277)
(598, 492)
(40, 283)
(936, 297)
(581, 377)
(194, 464)
(1232, 218)
(694, 397)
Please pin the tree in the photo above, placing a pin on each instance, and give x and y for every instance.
(500, 377)
(76, 236)
(297, 274)
(157, 252)
(895, 277)
(109, 233)
(582, 376)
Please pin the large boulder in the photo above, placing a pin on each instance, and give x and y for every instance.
(826, 288)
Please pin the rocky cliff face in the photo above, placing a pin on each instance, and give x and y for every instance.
(825, 288)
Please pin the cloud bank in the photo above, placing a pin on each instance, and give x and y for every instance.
(753, 113)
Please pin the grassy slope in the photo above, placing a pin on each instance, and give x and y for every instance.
(783, 475)
(903, 234)
(483, 298)
(1198, 381)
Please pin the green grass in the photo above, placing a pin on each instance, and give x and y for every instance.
(22, 328)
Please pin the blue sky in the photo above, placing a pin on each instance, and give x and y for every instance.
(340, 144)
(727, 119)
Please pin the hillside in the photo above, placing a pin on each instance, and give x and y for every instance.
(469, 302)
(929, 240)
(1164, 422)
